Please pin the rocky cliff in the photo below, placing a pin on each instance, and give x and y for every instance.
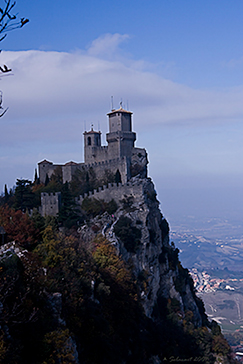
(140, 234)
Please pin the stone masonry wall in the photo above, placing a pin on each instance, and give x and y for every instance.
(121, 164)
(114, 191)
(50, 203)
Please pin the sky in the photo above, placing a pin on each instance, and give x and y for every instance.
(177, 65)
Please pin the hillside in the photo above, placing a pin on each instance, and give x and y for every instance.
(198, 251)
(112, 290)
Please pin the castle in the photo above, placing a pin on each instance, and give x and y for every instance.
(119, 158)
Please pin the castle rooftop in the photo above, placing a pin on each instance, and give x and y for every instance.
(45, 161)
(71, 163)
(119, 110)
(92, 132)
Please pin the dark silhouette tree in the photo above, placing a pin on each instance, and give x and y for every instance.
(36, 179)
(8, 21)
(68, 215)
(6, 194)
(47, 180)
(24, 197)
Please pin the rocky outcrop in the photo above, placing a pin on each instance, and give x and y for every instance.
(145, 243)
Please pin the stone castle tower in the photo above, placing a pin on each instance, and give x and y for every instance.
(119, 155)
(120, 139)
(50, 203)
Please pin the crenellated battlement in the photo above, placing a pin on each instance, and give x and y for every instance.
(50, 203)
(120, 160)
(113, 191)
(102, 163)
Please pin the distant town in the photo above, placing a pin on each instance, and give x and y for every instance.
(203, 282)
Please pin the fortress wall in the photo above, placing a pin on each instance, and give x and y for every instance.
(96, 153)
(46, 169)
(123, 164)
(114, 191)
(100, 168)
(69, 170)
(101, 154)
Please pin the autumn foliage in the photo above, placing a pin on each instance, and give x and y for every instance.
(18, 226)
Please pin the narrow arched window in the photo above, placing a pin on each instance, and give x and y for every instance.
(118, 176)
(89, 141)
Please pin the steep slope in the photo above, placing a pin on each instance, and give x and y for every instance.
(140, 234)
(112, 292)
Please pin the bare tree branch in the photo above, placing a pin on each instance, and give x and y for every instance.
(6, 19)
(8, 22)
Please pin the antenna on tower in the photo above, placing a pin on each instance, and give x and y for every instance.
(84, 125)
(82, 147)
(112, 107)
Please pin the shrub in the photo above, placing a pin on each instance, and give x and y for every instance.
(164, 226)
(94, 206)
(111, 207)
(129, 235)
(127, 203)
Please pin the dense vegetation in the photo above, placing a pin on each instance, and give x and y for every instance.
(26, 195)
(128, 234)
(62, 298)
(98, 315)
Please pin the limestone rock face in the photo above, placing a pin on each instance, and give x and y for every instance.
(146, 244)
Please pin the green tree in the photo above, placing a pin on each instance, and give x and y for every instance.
(68, 215)
(6, 194)
(47, 180)
(24, 197)
(39, 224)
(36, 179)
(83, 181)
(59, 347)
(129, 235)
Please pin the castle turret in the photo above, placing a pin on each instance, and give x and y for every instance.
(46, 169)
(92, 145)
(50, 203)
(120, 137)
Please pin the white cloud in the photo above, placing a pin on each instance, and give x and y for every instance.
(107, 44)
(234, 63)
(52, 93)
(49, 86)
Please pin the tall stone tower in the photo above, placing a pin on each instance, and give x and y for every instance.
(120, 138)
(92, 145)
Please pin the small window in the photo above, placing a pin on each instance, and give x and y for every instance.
(89, 141)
